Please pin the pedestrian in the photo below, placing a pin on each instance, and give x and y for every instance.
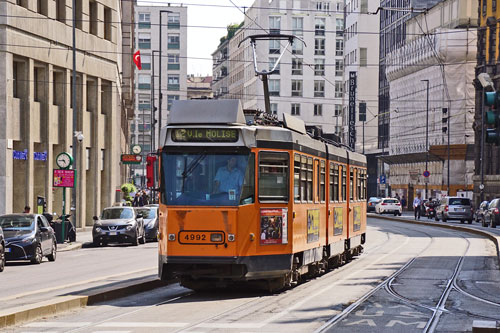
(135, 203)
(27, 209)
(416, 206)
(403, 202)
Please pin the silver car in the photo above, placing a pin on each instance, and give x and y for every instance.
(119, 224)
(150, 216)
(455, 208)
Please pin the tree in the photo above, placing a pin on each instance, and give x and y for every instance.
(126, 189)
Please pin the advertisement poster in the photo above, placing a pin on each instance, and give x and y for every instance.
(338, 220)
(64, 178)
(357, 218)
(274, 226)
(312, 225)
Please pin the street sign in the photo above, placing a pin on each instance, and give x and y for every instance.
(131, 159)
(426, 180)
(64, 178)
(382, 179)
(426, 173)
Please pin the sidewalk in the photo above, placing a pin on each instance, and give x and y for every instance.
(83, 236)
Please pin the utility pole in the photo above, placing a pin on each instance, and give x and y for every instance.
(427, 138)
(160, 94)
(75, 124)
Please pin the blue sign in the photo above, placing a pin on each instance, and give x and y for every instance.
(382, 179)
(40, 156)
(426, 173)
(20, 155)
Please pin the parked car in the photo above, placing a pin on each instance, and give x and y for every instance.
(150, 216)
(454, 208)
(479, 214)
(28, 237)
(372, 202)
(389, 205)
(118, 224)
(2, 251)
(492, 214)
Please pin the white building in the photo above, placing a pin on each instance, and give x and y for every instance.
(173, 71)
(451, 40)
(309, 83)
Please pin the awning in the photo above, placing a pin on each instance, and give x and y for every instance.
(437, 153)
(408, 158)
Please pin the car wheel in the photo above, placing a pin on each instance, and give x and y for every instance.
(135, 242)
(96, 243)
(461, 221)
(38, 256)
(469, 221)
(444, 220)
(53, 253)
(2, 257)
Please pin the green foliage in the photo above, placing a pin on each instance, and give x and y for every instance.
(126, 189)
(231, 31)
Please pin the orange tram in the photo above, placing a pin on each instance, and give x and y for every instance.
(264, 204)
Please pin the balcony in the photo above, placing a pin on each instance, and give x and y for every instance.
(144, 86)
(174, 25)
(174, 66)
(173, 87)
(144, 25)
(174, 46)
(146, 66)
(145, 45)
(144, 107)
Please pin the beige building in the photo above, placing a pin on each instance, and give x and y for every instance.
(199, 87)
(35, 101)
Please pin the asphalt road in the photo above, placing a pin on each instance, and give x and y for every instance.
(23, 283)
(453, 275)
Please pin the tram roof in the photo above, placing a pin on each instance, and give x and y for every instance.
(229, 112)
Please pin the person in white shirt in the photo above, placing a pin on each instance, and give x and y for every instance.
(416, 206)
(229, 179)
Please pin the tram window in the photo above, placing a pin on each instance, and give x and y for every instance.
(336, 196)
(296, 178)
(322, 182)
(351, 184)
(359, 183)
(303, 178)
(365, 180)
(316, 163)
(273, 176)
(344, 183)
(310, 179)
(330, 182)
(248, 189)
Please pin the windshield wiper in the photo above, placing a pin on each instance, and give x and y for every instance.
(190, 168)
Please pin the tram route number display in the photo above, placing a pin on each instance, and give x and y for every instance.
(274, 226)
(204, 135)
(338, 221)
(312, 225)
(357, 218)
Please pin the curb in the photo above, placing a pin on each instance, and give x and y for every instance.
(494, 238)
(70, 247)
(18, 315)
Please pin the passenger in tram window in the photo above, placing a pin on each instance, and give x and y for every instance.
(229, 179)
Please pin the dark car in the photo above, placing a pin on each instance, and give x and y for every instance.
(119, 224)
(150, 217)
(28, 237)
(479, 214)
(492, 214)
(2, 251)
(372, 202)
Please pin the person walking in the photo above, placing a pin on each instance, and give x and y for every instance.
(27, 209)
(403, 202)
(416, 206)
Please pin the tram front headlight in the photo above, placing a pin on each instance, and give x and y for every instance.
(216, 238)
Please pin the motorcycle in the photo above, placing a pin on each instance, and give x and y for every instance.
(430, 210)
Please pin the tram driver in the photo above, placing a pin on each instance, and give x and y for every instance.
(229, 179)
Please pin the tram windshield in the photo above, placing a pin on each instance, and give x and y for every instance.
(208, 179)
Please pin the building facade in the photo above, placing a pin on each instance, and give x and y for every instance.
(172, 74)
(309, 83)
(487, 62)
(199, 87)
(436, 63)
(35, 103)
(220, 70)
(361, 55)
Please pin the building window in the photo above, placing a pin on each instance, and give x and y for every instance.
(319, 26)
(296, 87)
(274, 108)
(144, 40)
(173, 41)
(174, 20)
(338, 89)
(295, 109)
(273, 176)
(339, 27)
(171, 99)
(338, 110)
(339, 47)
(274, 87)
(319, 46)
(363, 56)
(15, 79)
(274, 25)
(37, 85)
(296, 66)
(173, 61)
(42, 7)
(146, 61)
(318, 109)
(87, 159)
(61, 10)
(93, 18)
(144, 81)
(274, 46)
(103, 159)
(108, 18)
(144, 102)
(339, 67)
(297, 26)
(319, 88)
(298, 48)
(272, 62)
(79, 14)
(173, 82)
(319, 67)
(144, 21)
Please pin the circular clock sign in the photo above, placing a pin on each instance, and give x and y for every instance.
(64, 160)
(136, 149)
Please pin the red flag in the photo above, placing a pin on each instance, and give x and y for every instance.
(137, 59)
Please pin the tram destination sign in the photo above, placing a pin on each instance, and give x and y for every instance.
(204, 135)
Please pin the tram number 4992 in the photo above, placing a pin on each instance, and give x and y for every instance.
(192, 237)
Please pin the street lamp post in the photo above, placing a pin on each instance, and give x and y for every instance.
(153, 108)
(160, 95)
(426, 137)
(75, 122)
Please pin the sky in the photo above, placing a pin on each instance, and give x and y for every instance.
(206, 25)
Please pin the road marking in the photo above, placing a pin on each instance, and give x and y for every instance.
(230, 325)
(111, 331)
(57, 324)
(141, 324)
(40, 291)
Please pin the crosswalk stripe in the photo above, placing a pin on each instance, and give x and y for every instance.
(141, 324)
(111, 331)
(229, 325)
(57, 324)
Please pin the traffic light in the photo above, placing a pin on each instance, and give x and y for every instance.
(493, 117)
(150, 171)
